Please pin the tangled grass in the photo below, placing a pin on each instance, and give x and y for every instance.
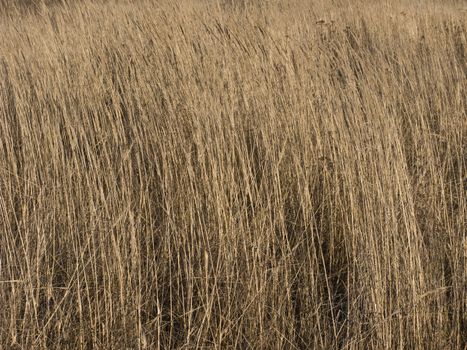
(267, 176)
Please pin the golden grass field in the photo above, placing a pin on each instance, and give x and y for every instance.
(214, 175)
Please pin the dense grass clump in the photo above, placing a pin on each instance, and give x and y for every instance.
(263, 176)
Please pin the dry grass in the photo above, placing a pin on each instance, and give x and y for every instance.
(274, 176)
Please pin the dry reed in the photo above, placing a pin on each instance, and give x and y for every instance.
(264, 176)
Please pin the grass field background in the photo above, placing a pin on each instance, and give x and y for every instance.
(274, 175)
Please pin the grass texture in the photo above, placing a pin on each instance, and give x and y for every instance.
(226, 175)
